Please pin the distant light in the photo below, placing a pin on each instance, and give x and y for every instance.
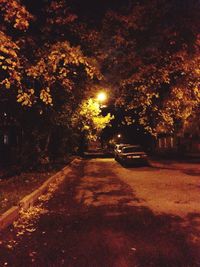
(101, 97)
(5, 139)
(119, 135)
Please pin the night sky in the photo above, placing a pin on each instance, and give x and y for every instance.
(87, 10)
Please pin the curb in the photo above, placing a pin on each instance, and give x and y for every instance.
(8, 217)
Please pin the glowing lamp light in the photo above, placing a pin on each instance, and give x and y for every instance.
(119, 135)
(101, 97)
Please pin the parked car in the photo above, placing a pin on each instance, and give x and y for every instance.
(132, 154)
(118, 148)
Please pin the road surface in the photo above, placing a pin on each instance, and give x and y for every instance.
(104, 215)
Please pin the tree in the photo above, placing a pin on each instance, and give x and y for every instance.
(51, 56)
(9, 63)
(61, 66)
(48, 84)
(152, 54)
(88, 119)
(15, 14)
(89, 122)
(57, 85)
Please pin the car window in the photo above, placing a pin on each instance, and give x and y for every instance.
(125, 145)
(120, 146)
(132, 149)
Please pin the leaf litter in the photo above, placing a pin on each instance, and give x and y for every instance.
(26, 223)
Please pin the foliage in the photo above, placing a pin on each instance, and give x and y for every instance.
(49, 83)
(9, 62)
(61, 66)
(89, 120)
(156, 60)
(148, 52)
(15, 14)
(59, 13)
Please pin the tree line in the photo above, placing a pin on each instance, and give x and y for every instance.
(54, 54)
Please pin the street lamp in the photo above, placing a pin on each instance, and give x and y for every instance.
(101, 97)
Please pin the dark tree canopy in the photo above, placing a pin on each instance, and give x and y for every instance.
(53, 53)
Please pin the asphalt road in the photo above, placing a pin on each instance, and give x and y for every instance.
(105, 215)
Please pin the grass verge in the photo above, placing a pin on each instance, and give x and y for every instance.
(14, 188)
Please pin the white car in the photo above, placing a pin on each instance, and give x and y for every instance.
(133, 154)
(118, 149)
